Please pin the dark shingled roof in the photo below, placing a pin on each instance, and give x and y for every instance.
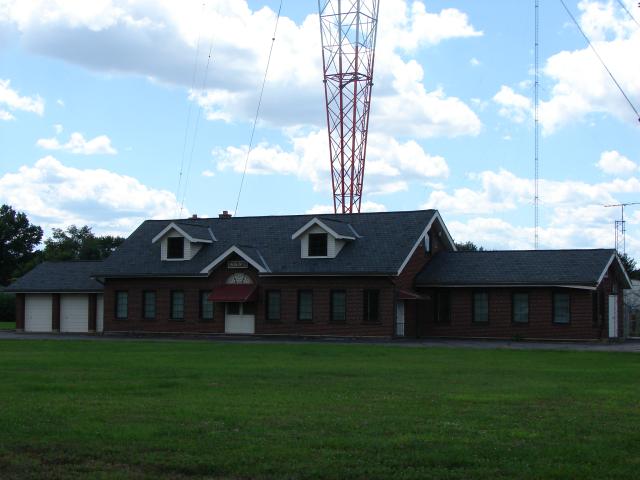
(74, 276)
(199, 232)
(340, 227)
(386, 239)
(517, 267)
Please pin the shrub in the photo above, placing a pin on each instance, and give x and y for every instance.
(7, 307)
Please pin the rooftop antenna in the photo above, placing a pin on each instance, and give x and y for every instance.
(620, 227)
(536, 198)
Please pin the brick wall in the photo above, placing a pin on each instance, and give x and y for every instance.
(500, 324)
(406, 279)
(288, 287)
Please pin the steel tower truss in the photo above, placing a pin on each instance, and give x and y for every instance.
(348, 31)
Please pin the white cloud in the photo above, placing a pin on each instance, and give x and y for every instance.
(614, 163)
(367, 206)
(514, 106)
(55, 195)
(6, 116)
(308, 160)
(159, 39)
(503, 191)
(208, 173)
(100, 145)
(11, 99)
(474, 62)
(60, 102)
(580, 84)
(413, 26)
(573, 213)
(499, 234)
(387, 188)
(58, 128)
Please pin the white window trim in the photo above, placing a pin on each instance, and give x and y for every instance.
(239, 252)
(173, 226)
(615, 256)
(321, 224)
(436, 216)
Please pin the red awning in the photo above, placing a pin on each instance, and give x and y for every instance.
(234, 293)
(409, 295)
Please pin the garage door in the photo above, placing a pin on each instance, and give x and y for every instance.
(74, 313)
(100, 313)
(37, 314)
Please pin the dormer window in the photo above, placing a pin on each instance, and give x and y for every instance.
(317, 244)
(324, 237)
(175, 247)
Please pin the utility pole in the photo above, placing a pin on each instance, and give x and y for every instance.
(620, 227)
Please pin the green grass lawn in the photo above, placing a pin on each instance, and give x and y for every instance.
(7, 325)
(125, 409)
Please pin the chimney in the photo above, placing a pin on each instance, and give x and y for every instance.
(194, 216)
(224, 214)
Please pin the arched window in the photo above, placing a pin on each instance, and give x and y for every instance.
(239, 279)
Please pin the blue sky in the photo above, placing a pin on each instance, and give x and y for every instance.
(95, 99)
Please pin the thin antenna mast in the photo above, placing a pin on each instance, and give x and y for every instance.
(620, 227)
(536, 199)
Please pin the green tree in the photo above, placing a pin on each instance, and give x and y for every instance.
(630, 266)
(18, 239)
(469, 247)
(79, 244)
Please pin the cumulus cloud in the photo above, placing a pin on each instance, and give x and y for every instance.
(6, 116)
(514, 106)
(613, 162)
(390, 164)
(503, 191)
(55, 195)
(574, 215)
(100, 145)
(367, 206)
(579, 84)
(499, 234)
(12, 100)
(160, 39)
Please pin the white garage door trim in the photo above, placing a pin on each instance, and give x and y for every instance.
(100, 313)
(38, 313)
(74, 313)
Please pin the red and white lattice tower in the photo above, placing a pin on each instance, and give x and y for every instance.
(348, 30)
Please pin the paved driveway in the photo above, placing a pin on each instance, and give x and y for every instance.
(628, 346)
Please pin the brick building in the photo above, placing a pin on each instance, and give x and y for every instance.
(393, 274)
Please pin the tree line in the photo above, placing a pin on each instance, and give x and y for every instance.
(19, 241)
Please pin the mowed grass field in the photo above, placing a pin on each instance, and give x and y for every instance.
(128, 409)
(7, 325)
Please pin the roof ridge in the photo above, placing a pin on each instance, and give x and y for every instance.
(350, 215)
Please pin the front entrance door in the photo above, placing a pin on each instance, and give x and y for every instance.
(239, 318)
(400, 318)
(613, 316)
